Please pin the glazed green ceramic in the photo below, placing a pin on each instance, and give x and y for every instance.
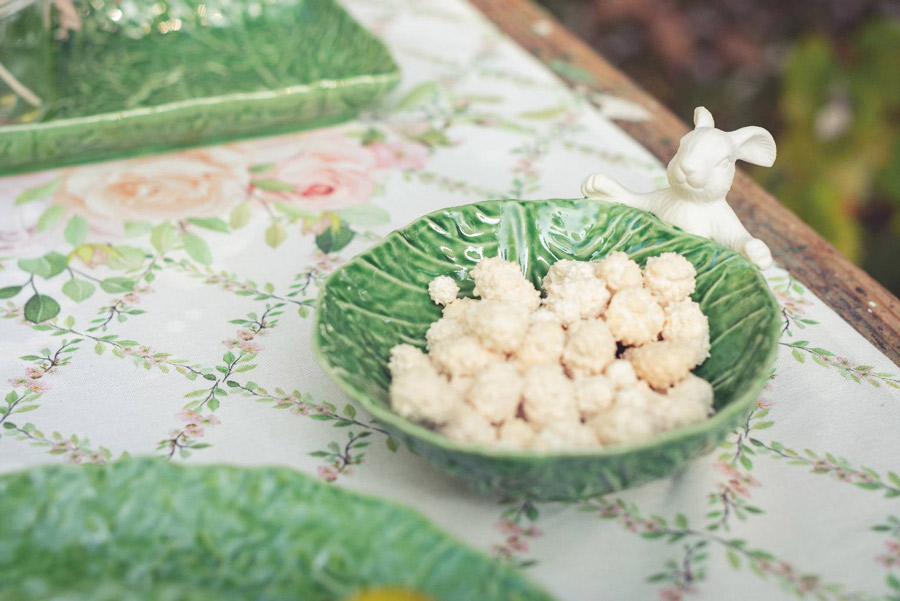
(153, 75)
(144, 529)
(380, 299)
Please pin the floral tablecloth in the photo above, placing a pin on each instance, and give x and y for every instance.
(173, 296)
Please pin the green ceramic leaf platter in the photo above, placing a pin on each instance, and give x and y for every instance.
(144, 529)
(380, 299)
(130, 83)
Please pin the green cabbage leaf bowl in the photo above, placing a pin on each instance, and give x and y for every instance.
(380, 299)
(147, 530)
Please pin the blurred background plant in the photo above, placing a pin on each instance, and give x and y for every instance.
(822, 75)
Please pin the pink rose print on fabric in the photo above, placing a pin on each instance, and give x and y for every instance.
(196, 183)
(319, 171)
(329, 170)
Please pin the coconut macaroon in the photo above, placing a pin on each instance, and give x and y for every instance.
(621, 373)
(423, 395)
(688, 402)
(634, 316)
(686, 323)
(443, 290)
(548, 395)
(661, 364)
(670, 277)
(496, 392)
(462, 357)
(619, 272)
(604, 359)
(445, 330)
(544, 341)
(470, 427)
(565, 435)
(515, 434)
(405, 358)
(500, 326)
(590, 347)
(593, 395)
(574, 291)
(496, 279)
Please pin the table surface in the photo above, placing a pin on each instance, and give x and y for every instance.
(207, 359)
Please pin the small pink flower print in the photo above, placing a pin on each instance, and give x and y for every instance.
(211, 420)
(245, 335)
(131, 299)
(764, 404)
(669, 594)
(297, 407)
(807, 584)
(34, 373)
(189, 416)
(249, 347)
(517, 544)
(739, 488)
(326, 473)
(843, 475)
(229, 344)
(16, 382)
(651, 526)
(194, 431)
(610, 511)
(399, 155)
(630, 523)
(865, 477)
(728, 469)
(508, 527)
(37, 387)
(885, 560)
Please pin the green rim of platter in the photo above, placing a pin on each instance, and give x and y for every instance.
(348, 69)
(380, 299)
(145, 529)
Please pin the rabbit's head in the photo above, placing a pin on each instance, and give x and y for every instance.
(703, 167)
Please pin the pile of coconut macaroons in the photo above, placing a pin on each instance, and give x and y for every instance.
(604, 358)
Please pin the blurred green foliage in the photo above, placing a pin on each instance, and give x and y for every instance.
(838, 162)
(823, 76)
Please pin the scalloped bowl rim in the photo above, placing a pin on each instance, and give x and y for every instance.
(738, 405)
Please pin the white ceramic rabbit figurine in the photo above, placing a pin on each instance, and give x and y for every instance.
(700, 175)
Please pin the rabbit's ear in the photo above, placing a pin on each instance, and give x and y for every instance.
(754, 145)
(703, 118)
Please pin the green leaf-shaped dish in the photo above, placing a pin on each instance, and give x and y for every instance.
(144, 529)
(162, 74)
(380, 299)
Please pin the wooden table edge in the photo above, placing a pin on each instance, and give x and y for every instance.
(848, 290)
